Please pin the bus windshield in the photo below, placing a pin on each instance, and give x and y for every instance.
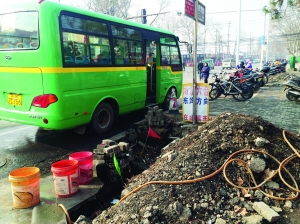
(19, 30)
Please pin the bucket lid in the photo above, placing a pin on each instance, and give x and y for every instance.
(24, 173)
(81, 155)
(64, 165)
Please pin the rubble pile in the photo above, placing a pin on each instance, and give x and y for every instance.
(198, 183)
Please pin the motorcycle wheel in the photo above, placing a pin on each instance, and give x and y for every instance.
(261, 83)
(246, 94)
(265, 79)
(214, 92)
(291, 97)
(256, 86)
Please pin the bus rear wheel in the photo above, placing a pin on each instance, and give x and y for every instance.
(103, 118)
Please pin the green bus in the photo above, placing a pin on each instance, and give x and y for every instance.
(63, 67)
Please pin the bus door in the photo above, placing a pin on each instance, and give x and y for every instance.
(151, 71)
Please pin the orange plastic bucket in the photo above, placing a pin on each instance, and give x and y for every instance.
(85, 159)
(65, 175)
(25, 186)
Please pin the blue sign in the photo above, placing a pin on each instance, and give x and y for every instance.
(262, 40)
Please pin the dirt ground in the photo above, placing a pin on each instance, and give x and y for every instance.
(215, 173)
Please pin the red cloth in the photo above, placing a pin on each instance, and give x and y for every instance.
(152, 133)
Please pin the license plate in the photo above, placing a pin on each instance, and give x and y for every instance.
(14, 99)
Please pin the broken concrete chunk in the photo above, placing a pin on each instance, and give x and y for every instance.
(124, 146)
(112, 149)
(257, 165)
(252, 219)
(265, 211)
(260, 141)
(178, 207)
(108, 142)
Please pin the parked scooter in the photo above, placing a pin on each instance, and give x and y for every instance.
(293, 88)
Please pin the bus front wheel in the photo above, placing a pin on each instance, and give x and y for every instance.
(103, 118)
(166, 103)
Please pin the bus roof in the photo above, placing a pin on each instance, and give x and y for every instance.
(54, 6)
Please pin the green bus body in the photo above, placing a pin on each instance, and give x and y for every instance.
(37, 63)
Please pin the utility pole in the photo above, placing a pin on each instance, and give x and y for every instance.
(219, 40)
(237, 54)
(263, 42)
(250, 45)
(216, 31)
(228, 47)
(204, 43)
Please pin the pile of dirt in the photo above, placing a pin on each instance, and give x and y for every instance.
(189, 184)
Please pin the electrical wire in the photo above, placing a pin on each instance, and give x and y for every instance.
(230, 160)
(66, 212)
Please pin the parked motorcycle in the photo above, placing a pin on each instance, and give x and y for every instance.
(273, 70)
(293, 88)
(269, 70)
(264, 77)
(240, 91)
(248, 77)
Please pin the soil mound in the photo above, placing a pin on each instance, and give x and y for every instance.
(189, 182)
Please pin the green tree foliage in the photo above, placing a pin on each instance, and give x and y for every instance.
(277, 8)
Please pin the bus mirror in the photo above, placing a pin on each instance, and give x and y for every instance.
(189, 48)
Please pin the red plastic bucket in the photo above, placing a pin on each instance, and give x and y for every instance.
(85, 160)
(65, 175)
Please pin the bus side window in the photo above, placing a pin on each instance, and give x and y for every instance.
(165, 55)
(120, 49)
(68, 52)
(100, 50)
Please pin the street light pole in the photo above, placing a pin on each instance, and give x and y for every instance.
(262, 42)
(237, 53)
(195, 63)
(267, 42)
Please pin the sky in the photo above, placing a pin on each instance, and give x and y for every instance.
(221, 12)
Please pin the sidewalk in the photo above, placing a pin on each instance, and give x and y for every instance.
(269, 102)
(11, 215)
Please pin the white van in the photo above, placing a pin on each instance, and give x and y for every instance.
(228, 63)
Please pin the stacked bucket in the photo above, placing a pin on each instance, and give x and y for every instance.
(67, 175)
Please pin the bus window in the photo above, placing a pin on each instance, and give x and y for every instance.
(85, 49)
(100, 50)
(169, 51)
(129, 49)
(118, 31)
(120, 50)
(76, 50)
(165, 55)
(135, 53)
(175, 59)
(83, 25)
(150, 50)
(18, 30)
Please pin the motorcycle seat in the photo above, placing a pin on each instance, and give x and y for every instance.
(247, 76)
(265, 69)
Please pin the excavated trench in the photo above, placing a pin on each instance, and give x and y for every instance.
(142, 152)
